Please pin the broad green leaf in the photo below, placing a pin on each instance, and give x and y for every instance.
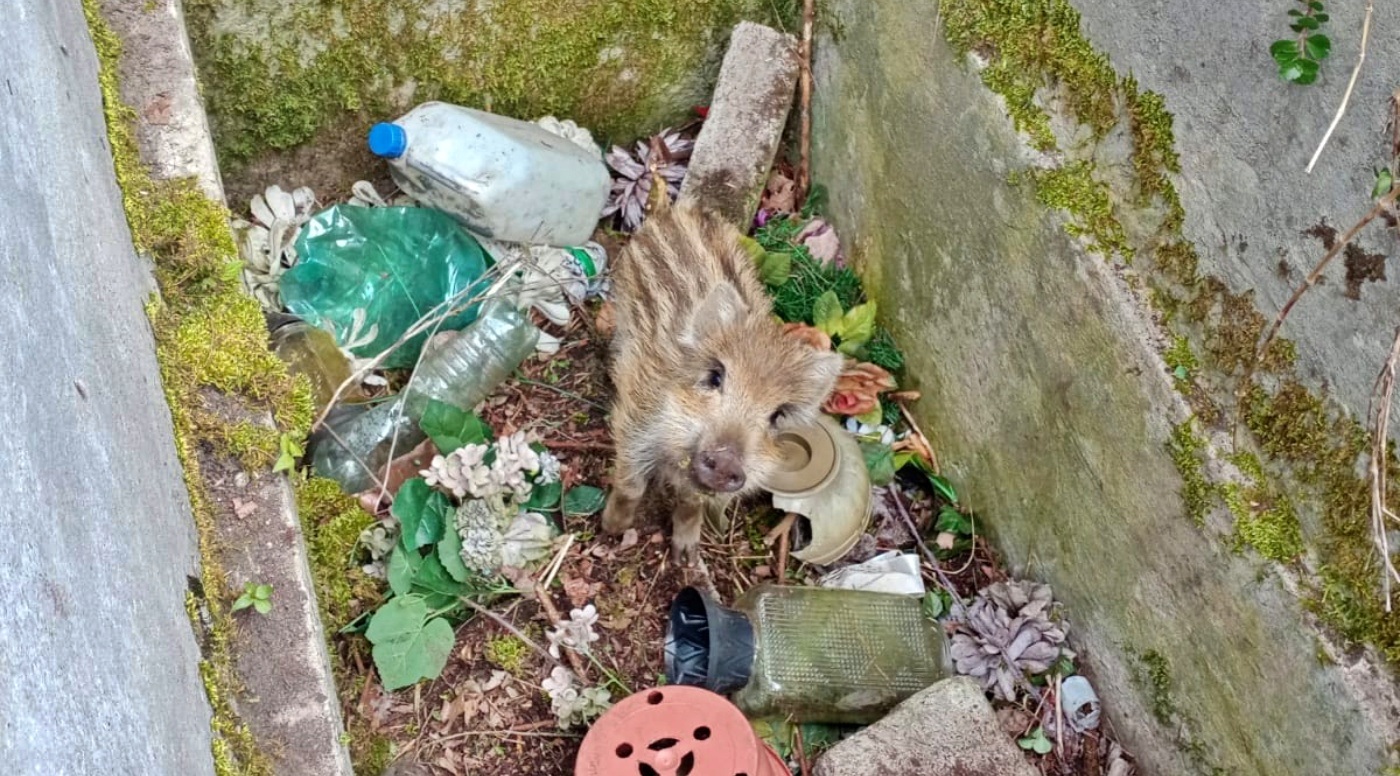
(412, 653)
(933, 605)
(1315, 5)
(1291, 71)
(432, 577)
(401, 618)
(1294, 12)
(261, 606)
(422, 512)
(583, 500)
(902, 460)
(244, 601)
(827, 314)
(879, 460)
(1180, 372)
(403, 567)
(1308, 70)
(940, 484)
(753, 249)
(1307, 23)
(544, 498)
(1321, 18)
(449, 553)
(262, 591)
(1317, 46)
(1384, 183)
(775, 269)
(857, 325)
(1284, 51)
(451, 428)
(953, 521)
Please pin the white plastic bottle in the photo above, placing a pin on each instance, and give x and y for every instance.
(502, 178)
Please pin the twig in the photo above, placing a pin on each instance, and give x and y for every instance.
(514, 631)
(562, 392)
(804, 166)
(1346, 97)
(1313, 277)
(1380, 455)
(526, 731)
(578, 444)
(943, 579)
(557, 561)
(1059, 717)
(555, 617)
(782, 558)
(780, 529)
(802, 764)
(933, 455)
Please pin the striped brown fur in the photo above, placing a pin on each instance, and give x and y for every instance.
(689, 305)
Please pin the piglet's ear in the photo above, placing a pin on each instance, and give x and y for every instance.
(720, 308)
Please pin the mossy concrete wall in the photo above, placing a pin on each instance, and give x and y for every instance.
(1064, 218)
(279, 73)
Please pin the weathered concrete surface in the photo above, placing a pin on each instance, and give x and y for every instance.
(739, 140)
(948, 728)
(287, 697)
(278, 74)
(158, 81)
(97, 653)
(1046, 397)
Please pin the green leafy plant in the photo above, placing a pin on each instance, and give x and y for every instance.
(410, 643)
(1384, 183)
(583, 500)
(1036, 742)
(451, 428)
(774, 267)
(291, 450)
(879, 461)
(849, 329)
(1299, 57)
(255, 595)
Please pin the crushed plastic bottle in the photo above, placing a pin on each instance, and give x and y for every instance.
(370, 274)
(462, 371)
(505, 179)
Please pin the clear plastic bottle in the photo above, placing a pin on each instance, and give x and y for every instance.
(461, 372)
(311, 351)
(811, 654)
(505, 179)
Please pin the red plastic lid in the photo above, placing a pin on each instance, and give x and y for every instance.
(675, 731)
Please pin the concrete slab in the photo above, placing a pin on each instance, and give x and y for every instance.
(740, 137)
(948, 728)
(99, 661)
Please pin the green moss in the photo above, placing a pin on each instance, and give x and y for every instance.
(1187, 452)
(1154, 150)
(1033, 44)
(1073, 188)
(1157, 679)
(332, 523)
(613, 65)
(509, 653)
(208, 337)
(1020, 104)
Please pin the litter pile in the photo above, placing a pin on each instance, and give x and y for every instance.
(455, 337)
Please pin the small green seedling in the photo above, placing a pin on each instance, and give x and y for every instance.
(291, 451)
(1298, 57)
(1036, 742)
(256, 595)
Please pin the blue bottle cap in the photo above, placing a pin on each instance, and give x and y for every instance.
(387, 140)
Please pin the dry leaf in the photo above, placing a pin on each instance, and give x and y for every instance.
(579, 590)
(945, 540)
(762, 572)
(629, 539)
(808, 334)
(780, 195)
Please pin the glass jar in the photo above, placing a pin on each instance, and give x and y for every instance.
(809, 654)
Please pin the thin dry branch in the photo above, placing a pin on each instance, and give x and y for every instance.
(1262, 351)
(804, 166)
(1381, 396)
(1346, 97)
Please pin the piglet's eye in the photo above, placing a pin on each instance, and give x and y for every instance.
(778, 415)
(714, 379)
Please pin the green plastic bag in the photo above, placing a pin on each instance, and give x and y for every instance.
(367, 274)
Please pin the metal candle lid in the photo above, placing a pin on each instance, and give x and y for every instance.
(809, 462)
